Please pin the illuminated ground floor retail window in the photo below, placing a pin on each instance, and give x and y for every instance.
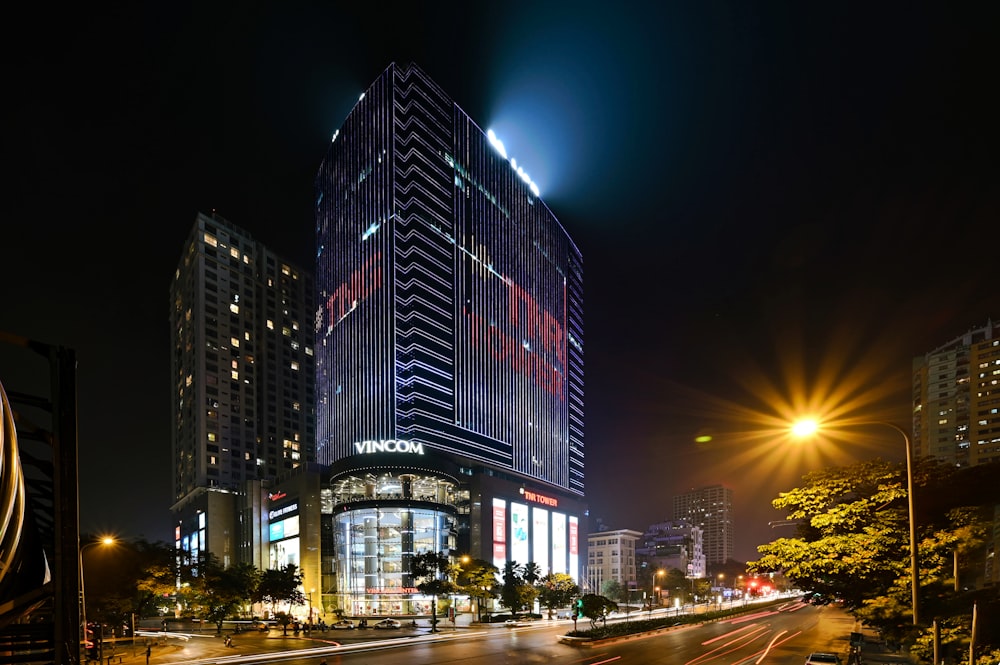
(374, 546)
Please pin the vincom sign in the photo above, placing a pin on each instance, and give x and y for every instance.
(388, 446)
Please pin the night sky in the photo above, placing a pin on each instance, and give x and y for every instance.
(779, 205)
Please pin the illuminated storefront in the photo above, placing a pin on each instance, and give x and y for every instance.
(528, 526)
(283, 539)
(386, 508)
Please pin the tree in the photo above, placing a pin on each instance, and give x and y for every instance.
(479, 580)
(614, 590)
(597, 608)
(676, 583)
(215, 591)
(157, 576)
(556, 590)
(280, 585)
(851, 535)
(432, 568)
(531, 572)
(517, 594)
(246, 580)
(852, 542)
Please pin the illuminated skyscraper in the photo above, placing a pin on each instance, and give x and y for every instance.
(449, 348)
(956, 399)
(711, 509)
(243, 384)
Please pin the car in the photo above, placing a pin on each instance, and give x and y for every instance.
(343, 624)
(823, 658)
(387, 624)
(262, 626)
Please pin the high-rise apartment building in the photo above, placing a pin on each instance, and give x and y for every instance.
(711, 509)
(956, 399)
(243, 387)
(672, 545)
(449, 350)
(611, 558)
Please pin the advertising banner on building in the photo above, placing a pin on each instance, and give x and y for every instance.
(499, 532)
(558, 543)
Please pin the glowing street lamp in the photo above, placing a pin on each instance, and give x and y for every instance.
(807, 427)
(106, 540)
(655, 589)
(309, 628)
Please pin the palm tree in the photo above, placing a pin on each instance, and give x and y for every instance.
(531, 573)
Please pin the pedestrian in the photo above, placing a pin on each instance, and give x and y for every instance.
(149, 652)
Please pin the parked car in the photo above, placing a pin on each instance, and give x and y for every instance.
(823, 658)
(387, 624)
(343, 624)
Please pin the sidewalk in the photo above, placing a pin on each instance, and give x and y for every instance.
(873, 648)
(178, 646)
(174, 648)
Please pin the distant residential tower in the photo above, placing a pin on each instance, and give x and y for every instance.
(956, 397)
(711, 509)
(242, 388)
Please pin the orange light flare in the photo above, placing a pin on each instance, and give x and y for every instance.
(845, 389)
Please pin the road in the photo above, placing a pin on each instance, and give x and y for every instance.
(782, 635)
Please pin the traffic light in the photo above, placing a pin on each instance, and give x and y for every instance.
(578, 610)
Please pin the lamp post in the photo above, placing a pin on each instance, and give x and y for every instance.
(309, 627)
(806, 427)
(106, 540)
(465, 560)
(654, 590)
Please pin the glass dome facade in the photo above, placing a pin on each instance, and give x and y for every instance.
(380, 520)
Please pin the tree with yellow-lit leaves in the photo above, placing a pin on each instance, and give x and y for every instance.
(851, 545)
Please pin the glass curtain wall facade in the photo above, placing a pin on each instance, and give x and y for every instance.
(449, 311)
(450, 297)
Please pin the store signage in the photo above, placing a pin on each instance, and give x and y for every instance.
(274, 496)
(291, 508)
(388, 446)
(402, 589)
(541, 498)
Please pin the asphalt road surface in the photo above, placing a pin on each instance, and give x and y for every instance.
(780, 635)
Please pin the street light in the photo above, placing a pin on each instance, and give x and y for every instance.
(310, 626)
(807, 427)
(465, 560)
(655, 589)
(106, 540)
